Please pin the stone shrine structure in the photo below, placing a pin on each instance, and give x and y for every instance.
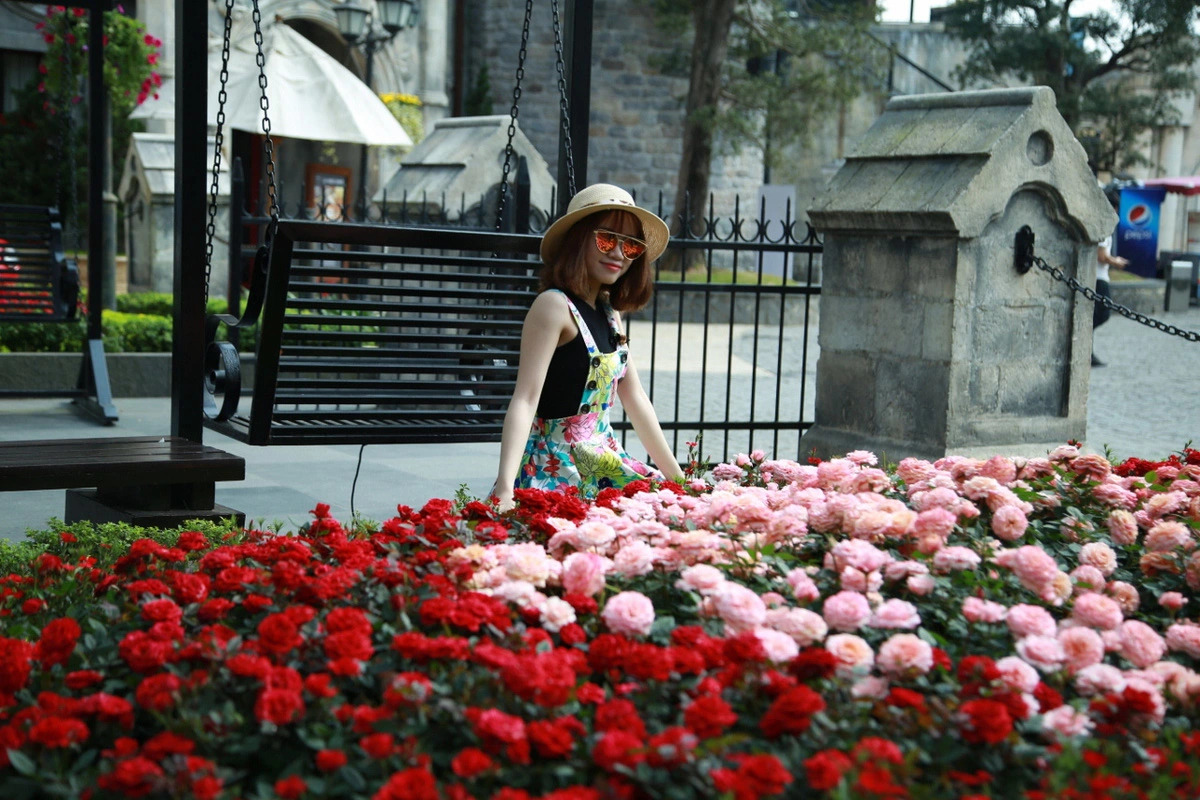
(932, 343)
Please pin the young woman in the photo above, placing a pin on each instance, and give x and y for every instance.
(574, 359)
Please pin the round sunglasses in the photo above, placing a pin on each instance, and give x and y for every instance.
(631, 248)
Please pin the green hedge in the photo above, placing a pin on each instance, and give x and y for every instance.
(142, 323)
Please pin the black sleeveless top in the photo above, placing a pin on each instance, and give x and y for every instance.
(568, 370)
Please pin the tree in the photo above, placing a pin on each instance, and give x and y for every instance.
(1114, 74)
(761, 73)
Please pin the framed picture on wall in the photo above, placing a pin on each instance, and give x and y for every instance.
(328, 192)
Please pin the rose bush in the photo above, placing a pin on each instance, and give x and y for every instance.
(962, 629)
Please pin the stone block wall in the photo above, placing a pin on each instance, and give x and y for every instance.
(637, 112)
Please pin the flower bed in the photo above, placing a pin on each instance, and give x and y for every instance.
(962, 629)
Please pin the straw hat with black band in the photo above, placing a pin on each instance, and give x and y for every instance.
(605, 197)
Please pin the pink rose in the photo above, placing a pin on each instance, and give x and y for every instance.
(1184, 637)
(635, 558)
(1172, 601)
(584, 573)
(953, 559)
(1017, 675)
(871, 687)
(1025, 620)
(905, 654)
(976, 609)
(1097, 611)
(1122, 527)
(1140, 645)
(1125, 594)
(700, 578)
(920, 585)
(853, 654)
(1034, 567)
(803, 587)
(861, 555)
(1099, 679)
(1169, 535)
(1044, 652)
(1009, 523)
(629, 613)
(740, 608)
(804, 626)
(1087, 578)
(557, 613)
(1083, 647)
(1065, 721)
(846, 611)
(914, 470)
(1100, 556)
(779, 647)
(934, 522)
(895, 613)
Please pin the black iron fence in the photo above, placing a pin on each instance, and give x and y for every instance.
(726, 349)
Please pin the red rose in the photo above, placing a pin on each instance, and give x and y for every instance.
(875, 748)
(214, 609)
(554, 738)
(158, 692)
(133, 777)
(495, 726)
(877, 781)
(900, 697)
(291, 787)
(411, 784)
(191, 541)
(57, 641)
(987, 721)
(813, 663)
(762, 775)
(1048, 698)
(82, 678)
(166, 744)
(110, 708)
(142, 652)
(672, 747)
(348, 644)
(58, 732)
(471, 762)
(620, 715)
(378, 745)
(278, 706)
(14, 664)
(278, 634)
(618, 747)
(709, 716)
(330, 760)
(33, 605)
(162, 610)
(791, 712)
(825, 769)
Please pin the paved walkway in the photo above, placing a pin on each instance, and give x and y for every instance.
(1145, 402)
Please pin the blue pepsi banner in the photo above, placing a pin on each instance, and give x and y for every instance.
(1137, 229)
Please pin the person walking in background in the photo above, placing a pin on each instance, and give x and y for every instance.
(575, 357)
(1100, 312)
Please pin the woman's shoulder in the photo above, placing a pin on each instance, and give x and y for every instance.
(550, 306)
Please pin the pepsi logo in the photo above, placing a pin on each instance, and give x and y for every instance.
(1139, 215)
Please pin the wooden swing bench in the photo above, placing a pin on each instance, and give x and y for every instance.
(379, 334)
(38, 283)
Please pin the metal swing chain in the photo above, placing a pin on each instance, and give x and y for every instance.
(222, 96)
(1091, 294)
(513, 113)
(564, 108)
(268, 146)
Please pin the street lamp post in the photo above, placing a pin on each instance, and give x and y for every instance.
(355, 23)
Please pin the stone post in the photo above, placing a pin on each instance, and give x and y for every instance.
(932, 343)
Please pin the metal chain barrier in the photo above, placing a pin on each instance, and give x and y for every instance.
(222, 96)
(564, 109)
(513, 113)
(1129, 313)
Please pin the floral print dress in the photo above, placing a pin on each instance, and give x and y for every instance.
(581, 450)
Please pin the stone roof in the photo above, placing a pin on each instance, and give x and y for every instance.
(950, 162)
(151, 160)
(460, 160)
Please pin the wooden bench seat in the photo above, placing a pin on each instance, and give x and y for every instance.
(144, 480)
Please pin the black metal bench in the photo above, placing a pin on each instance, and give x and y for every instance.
(37, 282)
(144, 480)
(382, 334)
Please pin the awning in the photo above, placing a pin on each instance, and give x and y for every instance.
(309, 94)
(1185, 186)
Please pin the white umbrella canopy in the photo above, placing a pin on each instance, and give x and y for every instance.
(309, 94)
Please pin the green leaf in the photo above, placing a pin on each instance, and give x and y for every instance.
(21, 762)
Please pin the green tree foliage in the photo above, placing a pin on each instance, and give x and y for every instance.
(1114, 73)
(763, 73)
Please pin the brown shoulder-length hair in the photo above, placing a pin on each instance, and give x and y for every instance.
(631, 291)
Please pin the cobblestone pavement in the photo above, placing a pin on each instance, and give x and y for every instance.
(1144, 402)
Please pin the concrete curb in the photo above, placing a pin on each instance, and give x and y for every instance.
(129, 374)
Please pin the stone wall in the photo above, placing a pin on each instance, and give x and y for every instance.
(637, 112)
